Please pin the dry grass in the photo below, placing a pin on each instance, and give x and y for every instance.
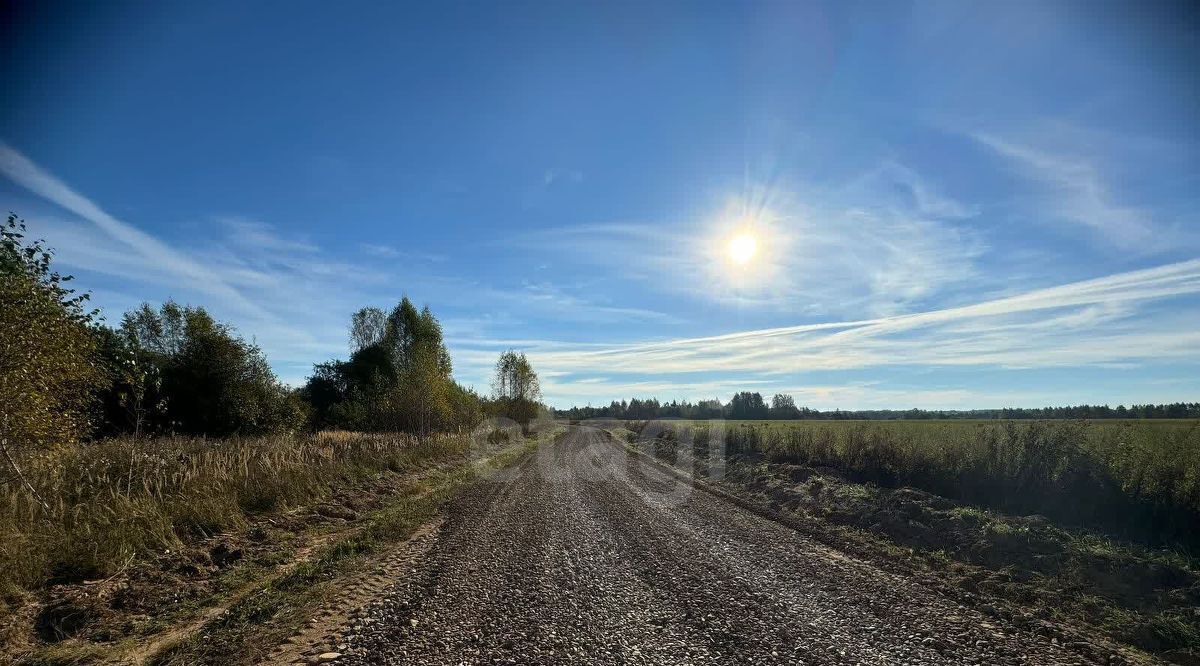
(117, 499)
(244, 633)
(1134, 478)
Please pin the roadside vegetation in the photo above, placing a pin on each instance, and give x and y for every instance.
(142, 464)
(1092, 522)
(1133, 479)
(121, 498)
(271, 609)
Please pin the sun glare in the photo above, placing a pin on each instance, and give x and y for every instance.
(742, 248)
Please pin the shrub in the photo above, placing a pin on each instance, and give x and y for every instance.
(46, 351)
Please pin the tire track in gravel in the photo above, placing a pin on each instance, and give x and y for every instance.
(584, 553)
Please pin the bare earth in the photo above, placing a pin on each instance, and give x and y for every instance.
(584, 553)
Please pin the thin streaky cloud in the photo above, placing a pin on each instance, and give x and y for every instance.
(1088, 322)
(389, 252)
(24, 172)
(1078, 193)
(552, 176)
(263, 236)
(875, 260)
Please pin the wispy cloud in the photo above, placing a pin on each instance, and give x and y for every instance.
(821, 260)
(1076, 192)
(545, 297)
(264, 236)
(552, 176)
(389, 252)
(376, 250)
(267, 283)
(24, 172)
(1107, 320)
(928, 201)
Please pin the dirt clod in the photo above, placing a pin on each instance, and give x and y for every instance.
(223, 555)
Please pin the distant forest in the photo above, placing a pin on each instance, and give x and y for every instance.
(747, 405)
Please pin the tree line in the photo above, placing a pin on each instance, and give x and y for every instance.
(66, 375)
(781, 406)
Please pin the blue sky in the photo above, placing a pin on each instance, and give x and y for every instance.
(954, 204)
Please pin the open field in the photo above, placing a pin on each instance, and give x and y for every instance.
(1137, 479)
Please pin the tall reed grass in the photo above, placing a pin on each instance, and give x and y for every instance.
(115, 499)
(1135, 478)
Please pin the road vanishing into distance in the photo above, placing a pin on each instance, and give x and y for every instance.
(587, 553)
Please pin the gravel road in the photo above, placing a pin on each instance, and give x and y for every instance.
(585, 553)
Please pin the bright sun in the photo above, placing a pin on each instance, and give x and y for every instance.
(742, 248)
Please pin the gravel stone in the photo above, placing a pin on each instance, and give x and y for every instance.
(586, 553)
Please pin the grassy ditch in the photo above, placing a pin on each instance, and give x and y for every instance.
(144, 536)
(1136, 592)
(243, 634)
(118, 499)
